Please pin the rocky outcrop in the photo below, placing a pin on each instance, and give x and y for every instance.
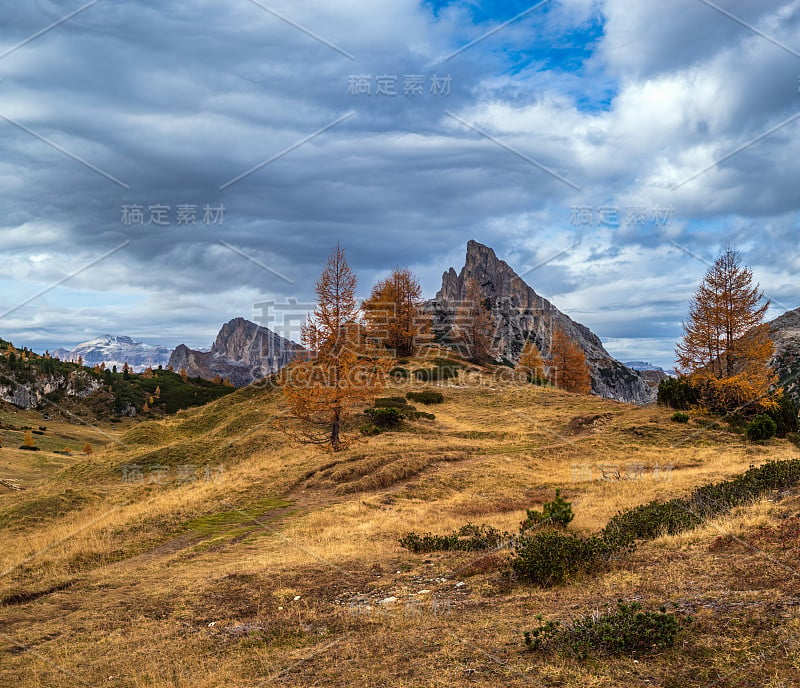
(32, 392)
(785, 334)
(521, 314)
(243, 352)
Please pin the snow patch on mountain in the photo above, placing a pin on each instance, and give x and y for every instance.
(116, 351)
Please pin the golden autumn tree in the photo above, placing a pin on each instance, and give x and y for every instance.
(568, 369)
(474, 323)
(726, 347)
(393, 312)
(531, 361)
(340, 372)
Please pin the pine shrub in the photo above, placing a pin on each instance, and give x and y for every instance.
(677, 393)
(426, 397)
(785, 417)
(469, 538)
(626, 630)
(557, 513)
(550, 558)
(384, 418)
(761, 428)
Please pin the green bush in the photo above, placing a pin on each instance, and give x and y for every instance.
(415, 415)
(677, 393)
(651, 520)
(398, 374)
(390, 402)
(626, 630)
(549, 558)
(443, 369)
(426, 397)
(433, 374)
(384, 417)
(655, 518)
(680, 417)
(785, 416)
(469, 538)
(369, 430)
(762, 427)
(556, 513)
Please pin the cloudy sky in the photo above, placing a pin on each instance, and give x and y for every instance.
(604, 148)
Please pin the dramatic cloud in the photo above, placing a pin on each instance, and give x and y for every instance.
(604, 149)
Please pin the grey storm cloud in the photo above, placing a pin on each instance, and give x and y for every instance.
(166, 103)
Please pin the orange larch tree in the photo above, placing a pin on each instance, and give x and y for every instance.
(726, 346)
(341, 371)
(568, 369)
(393, 312)
(531, 361)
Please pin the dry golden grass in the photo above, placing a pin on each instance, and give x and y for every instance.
(274, 572)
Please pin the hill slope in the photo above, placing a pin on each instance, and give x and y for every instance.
(213, 541)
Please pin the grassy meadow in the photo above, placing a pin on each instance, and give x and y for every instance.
(210, 549)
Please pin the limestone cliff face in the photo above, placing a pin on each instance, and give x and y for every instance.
(785, 334)
(30, 392)
(520, 313)
(242, 352)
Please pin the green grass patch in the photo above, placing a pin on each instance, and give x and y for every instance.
(234, 522)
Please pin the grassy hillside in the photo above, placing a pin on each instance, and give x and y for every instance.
(208, 549)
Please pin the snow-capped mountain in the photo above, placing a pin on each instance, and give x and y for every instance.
(116, 351)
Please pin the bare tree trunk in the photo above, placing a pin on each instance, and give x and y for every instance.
(336, 443)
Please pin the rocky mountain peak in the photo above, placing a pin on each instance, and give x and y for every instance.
(521, 314)
(242, 352)
(495, 277)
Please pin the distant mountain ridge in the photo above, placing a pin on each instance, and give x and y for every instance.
(520, 313)
(116, 351)
(243, 352)
(642, 365)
